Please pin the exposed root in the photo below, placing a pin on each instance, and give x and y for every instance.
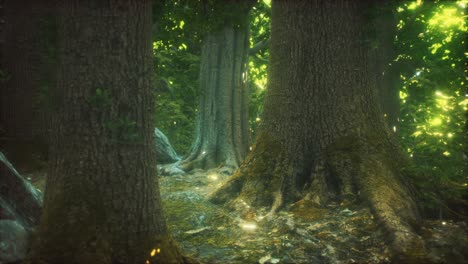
(170, 169)
(265, 180)
(350, 172)
(229, 190)
(394, 208)
(277, 203)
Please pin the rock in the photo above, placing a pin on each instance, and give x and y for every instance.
(23, 198)
(14, 241)
(20, 210)
(164, 151)
(172, 169)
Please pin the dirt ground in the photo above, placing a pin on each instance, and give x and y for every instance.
(301, 233)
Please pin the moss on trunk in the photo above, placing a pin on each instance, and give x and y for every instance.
(323, 137)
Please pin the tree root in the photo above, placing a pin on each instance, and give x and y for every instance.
(371, 177)
(357, 173)
(264, 180)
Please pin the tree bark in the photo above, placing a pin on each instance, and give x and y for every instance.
(27, 63)
(323, 135)
(102, 202)
(222, 137)
(384, 54)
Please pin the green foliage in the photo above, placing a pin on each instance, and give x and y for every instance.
(258, 62)
(431, 60)
(177, 47)
(213, 14)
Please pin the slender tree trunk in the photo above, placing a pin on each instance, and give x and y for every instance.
(323, 136)
(102, 202)
(385, 53)
(222, 137)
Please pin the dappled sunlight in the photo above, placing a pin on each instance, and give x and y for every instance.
(449, 17)
(432, 96)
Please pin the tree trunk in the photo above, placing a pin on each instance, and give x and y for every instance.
(27, 62)
(102, 202)
(384, 52)
(323, 136)
(222, 137)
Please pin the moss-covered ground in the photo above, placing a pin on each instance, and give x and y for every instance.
(301, 233)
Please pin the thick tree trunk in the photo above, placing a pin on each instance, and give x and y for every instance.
(222, 137)
(102, 202)
(323, 135)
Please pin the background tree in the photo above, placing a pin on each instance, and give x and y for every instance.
(222, 125)
(177, 50)
(177, 47)
(102, 202)
(323, 136)
(383, 29)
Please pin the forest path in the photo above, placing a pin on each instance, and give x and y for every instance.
(302, 233)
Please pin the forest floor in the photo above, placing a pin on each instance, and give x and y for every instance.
(301, 233)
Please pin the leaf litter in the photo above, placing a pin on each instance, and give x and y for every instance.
(301, 233)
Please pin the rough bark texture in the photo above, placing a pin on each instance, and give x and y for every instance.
(222, 136)
(102, 202)
(323, 136)
(26, 62)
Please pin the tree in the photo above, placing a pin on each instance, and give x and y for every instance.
(177, 48)
(222, 136)
(384, 52)
(102, 202)
(25, 71)
(323, 136)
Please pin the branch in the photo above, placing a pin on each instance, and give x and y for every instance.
(258, 46)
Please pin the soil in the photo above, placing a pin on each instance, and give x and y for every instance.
(300, 233)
